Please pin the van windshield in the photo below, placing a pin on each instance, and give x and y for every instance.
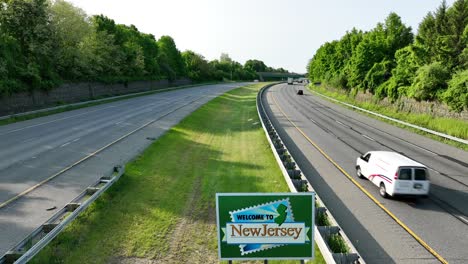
(405, 174)
(420, 174)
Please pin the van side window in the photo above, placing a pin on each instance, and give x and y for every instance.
(420, 174)
(404, 174)
(366, 157)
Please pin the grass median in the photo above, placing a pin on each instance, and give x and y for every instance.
(162, 210)
(451, 126)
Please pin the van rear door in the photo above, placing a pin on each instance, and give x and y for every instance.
(412, 180)
(420, 181)
(403, 184)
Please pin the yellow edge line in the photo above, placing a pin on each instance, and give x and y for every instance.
(424, 244)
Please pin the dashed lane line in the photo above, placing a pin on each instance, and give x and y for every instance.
(377, 202)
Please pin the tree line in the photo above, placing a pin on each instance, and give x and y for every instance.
(389, 61)
(44, 43)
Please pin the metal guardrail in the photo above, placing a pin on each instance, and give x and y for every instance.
(296, 181)
(39, 238)
(460, 140)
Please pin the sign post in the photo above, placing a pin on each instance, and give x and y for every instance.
(259, 226)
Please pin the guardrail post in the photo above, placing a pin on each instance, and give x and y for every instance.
(91, 190)
(47, 227)
(345, 258)
(72, 206)
(12, 256)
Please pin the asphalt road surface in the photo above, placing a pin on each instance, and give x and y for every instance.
(34, 150)
(441, 220)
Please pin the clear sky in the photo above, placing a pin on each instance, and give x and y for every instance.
(280, 33)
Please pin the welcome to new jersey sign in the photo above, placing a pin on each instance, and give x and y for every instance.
(265, 225)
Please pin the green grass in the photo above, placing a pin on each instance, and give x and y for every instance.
(163, 207)
(451, 126)
(322, 219)
(337, 244)
(18, 118)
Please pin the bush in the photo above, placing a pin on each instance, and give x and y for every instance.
(322, 219)
(430, 82)
(377, 75)
(339, 81)
(456, 96)
(337, 244)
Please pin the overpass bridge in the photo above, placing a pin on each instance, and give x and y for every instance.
(277, 76)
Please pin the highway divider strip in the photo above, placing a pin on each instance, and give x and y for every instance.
(296, 181)
(460, 140)
(27, 249)
(377, 202)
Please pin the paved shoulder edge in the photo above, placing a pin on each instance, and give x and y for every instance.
(396, 120)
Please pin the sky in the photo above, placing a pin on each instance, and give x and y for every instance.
(278, 32)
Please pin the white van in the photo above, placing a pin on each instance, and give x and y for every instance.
(394, 173)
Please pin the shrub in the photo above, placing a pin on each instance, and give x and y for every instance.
(377, 75)
(430, 81)
(337, 244)
(456, 96)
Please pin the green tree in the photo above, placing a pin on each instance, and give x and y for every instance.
(458, 22)
(430, 82)
(28, 22)
(377, 75)
(66, 19)
(102, 56)
(170, 58)
(255, 65)
(456, 95)
(397, 35)
(197, 67)
(10, 65)
(407, 64)
(370, 50)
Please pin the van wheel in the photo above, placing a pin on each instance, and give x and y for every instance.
(359, 173)
(382, 190)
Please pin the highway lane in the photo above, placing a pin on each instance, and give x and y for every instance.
(344, 134)
(33, 150)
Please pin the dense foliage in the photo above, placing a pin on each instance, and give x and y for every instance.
(44, 42)
(389, 61)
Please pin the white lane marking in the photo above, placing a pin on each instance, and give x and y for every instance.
(52, 121)
(398, 121)
(29, 139)
(63, 145)
(366, 136)
(341, 123)
(434, 170)
(69, 142)
(414, 145)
